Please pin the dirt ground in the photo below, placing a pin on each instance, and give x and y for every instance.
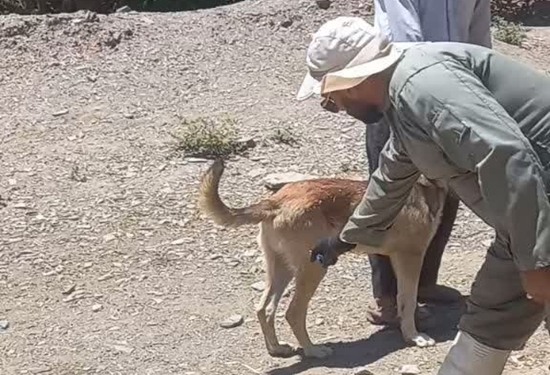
(106, 267)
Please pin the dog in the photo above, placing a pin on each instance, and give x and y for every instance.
(300, 213)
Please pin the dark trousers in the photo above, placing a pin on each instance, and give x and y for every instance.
(383, 277)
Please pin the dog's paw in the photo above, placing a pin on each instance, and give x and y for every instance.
(422, 340)
(317, 351)
(282, 351)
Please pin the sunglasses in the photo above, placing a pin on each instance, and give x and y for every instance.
(329, 104)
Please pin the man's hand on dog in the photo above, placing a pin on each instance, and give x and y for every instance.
(328, 249)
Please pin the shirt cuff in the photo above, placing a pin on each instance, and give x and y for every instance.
(365, 237)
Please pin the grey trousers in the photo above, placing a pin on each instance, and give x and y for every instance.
(498, 313)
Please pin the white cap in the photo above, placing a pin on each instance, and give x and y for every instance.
(344, 52)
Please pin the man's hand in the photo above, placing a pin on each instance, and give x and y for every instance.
(328, 249)
(537, 284)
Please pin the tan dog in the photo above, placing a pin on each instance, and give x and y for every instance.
(299, 214)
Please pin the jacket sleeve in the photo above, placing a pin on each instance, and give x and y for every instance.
(477, 134)
(386, 193)
(404, 20)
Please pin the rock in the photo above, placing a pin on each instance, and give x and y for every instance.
(232, 322)
(215, 256)
(179, 241)
(323, 4)
(4, 324)
(286, 23)
(97, 307)
(40, 370)
(105, 277)
(20, 206)
(12, 182)
(246, 143)
(109, 237)
(275, 181)
(124, 9)
(363, 371)
(71, 288)
(409, 370)
(60, 113)
(256, 172)
(123, 349)
(259, 286)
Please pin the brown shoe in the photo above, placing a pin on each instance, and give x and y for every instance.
(438, 294)
(383, 312)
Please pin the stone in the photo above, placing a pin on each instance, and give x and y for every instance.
(105, 277)
(256, 172)
(97, 307)
(109, 237)
(71, 288)
(60, 113)
(259, 286)
(4, 324)
(232, 322)
(123, 349)
(275, 181)
(286, 23)
(363, 371)
(323, 4)
(409, 370)
(179, 241)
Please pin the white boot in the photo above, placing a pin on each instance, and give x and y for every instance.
(470, 357)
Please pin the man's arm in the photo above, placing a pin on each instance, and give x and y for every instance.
(387, 191)
(404, 21)
(477, 134)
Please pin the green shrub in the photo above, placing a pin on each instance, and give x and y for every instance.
(508, 32)
(204, 137)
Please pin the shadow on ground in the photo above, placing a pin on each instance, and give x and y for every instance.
(441, 327)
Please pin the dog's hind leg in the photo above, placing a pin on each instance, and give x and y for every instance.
(408, 265)
(308, 278)
(277, 279)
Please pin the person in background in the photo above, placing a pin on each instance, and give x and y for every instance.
(466, 21)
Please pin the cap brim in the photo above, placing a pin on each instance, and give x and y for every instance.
(310, 87)
(350, 77)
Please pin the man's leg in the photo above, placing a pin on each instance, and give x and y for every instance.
(480, 27)
(499, 318)
(470, 22)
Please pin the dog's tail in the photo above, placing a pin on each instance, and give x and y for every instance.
(211, 204)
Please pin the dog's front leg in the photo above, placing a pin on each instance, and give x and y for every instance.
(407, 265)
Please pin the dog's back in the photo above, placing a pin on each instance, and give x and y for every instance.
(321, 207)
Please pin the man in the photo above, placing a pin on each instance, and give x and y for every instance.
(472, 118)
(467, 21)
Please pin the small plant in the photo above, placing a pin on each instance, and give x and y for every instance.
(509, 32)
(285, 136)
(204, 137)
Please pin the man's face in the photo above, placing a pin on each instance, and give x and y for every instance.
(357, 107)
(363, 102)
